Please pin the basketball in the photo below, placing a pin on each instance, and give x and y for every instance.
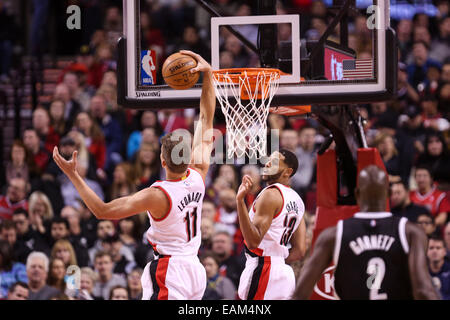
(176, 71)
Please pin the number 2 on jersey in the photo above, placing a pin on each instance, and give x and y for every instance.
(376, 268)
(191, 228)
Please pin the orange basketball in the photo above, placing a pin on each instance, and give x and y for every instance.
(176, 71)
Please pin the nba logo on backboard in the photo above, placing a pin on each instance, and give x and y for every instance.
(148, 68)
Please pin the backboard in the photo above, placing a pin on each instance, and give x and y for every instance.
(347, 56)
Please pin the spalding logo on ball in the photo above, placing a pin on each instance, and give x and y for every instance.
(176, 71)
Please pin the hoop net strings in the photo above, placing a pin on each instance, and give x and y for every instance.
(246, 120)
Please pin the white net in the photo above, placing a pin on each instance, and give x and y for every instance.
(245, 98)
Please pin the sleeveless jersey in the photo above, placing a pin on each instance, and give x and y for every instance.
(285, 222)
(371, 258)
(178, 232)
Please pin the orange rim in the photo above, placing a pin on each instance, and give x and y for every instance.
(252, 73)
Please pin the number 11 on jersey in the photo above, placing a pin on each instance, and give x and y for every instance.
(191, 226)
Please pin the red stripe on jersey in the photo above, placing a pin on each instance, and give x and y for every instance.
(257, 251)
(263, 280)
(170, 206)
(161, 273)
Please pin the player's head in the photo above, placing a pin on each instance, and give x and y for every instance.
(282, 165)
(176, 151)
(372, 190)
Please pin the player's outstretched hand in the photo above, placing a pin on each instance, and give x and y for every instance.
(244, 188)
(68, 167)
(202, 65)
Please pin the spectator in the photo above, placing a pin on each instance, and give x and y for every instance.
(63, 250)
(433, 119)
(447, 238)
(418, 69)
(37, 270)
(207, 231)
(227, 218)
(112, 131)
(71, 107)
(123, 181)
(56, 112)
(148, 120)
(73, 218)
(229, 173)
(41, 212)
(88, 278)
(94, 138)
(8, 233)
(218, 287)
(429, 196)
(25, 233)
(84, 155)
(106, 278)
(106, 228)
(438, 266)
(426, 222)
(113, 245)
(39, 154)
(62, 242)
(134, 284)
(70, 193)
(401, 204)
(306, 154)
(18, 291)
(147, 166)
(18, 166)
(10, 271)
(209, 210)
(15, 198)
(56, 274)
(436, 157)
(72, 81)
(47, 134)
(230, 266)
(130, 233)
(118, 293)
(391, 159)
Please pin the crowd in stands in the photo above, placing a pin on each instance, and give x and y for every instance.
(46, 230)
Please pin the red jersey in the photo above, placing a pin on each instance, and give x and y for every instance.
(435, 200)
(7, 208)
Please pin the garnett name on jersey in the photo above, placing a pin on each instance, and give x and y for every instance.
(371, 242)
(193, 196)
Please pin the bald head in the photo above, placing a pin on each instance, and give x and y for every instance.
(372, 190)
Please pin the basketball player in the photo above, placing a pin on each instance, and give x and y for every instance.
(377, 256)
(272, 223)
(174, 206)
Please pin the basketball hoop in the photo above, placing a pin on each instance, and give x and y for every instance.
(245, 95)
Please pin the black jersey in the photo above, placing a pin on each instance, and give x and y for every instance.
(371, 258)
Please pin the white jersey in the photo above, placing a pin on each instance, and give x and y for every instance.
(178, 232)
(285, 222)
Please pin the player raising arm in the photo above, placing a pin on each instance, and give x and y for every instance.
(174, 206)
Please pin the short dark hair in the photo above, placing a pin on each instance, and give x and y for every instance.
(6, 251)
(20, 211)
(424, 167)
(169, 142)
(18, 284)
(436, 237)
(102, 253)
(423, 43)
(118, 287)
(400, 182)
(8, 225)
(290, 159)
(60, 220)
(426, 214)
(210, 254)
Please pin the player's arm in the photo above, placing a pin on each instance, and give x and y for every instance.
(269, 203)
(316, 264)
(203, 134)
(421, 283)
(151, 199)
(298, 243)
